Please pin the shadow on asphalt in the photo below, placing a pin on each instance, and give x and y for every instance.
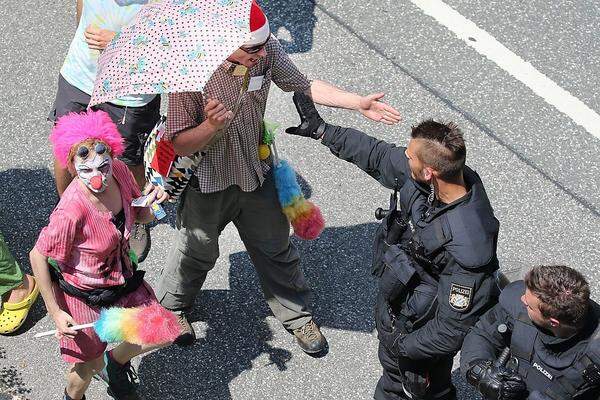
(337, 269)
(12, 385)
(293, 22)
(27, 197)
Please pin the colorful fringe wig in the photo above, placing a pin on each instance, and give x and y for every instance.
(74, 128)
(150, 325)
(304, 216)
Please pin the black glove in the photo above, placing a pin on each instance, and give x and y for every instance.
(496, 383)
(311, 123)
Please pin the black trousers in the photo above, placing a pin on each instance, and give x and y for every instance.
(393, 384)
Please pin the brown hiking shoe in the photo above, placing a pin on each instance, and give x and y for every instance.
(309, 338)
(188, 335)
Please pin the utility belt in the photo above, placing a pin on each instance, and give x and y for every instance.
(99, 297)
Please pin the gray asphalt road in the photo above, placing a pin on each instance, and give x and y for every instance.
(541, 171)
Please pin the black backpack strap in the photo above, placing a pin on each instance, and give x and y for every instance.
(527, 333)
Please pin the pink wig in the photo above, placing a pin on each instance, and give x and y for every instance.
(74, 128)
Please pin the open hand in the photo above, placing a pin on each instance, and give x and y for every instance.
(98, 38)
(376, 110)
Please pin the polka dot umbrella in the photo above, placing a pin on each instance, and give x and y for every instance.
(171, 46)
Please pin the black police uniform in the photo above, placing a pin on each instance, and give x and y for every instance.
(553, 368)
(436, 265)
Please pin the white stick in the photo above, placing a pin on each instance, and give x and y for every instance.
(275, 155)
(74, 327)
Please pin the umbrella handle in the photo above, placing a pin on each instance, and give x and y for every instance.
(236, 108)
(54, 331)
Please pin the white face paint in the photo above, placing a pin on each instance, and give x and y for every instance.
(93, 166)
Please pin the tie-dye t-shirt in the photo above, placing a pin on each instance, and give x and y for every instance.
(80, 66)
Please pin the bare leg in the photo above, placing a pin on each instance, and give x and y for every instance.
(19, 293)
(62, 178)
(139, 242)
(80, 375)
(126, 351)
(139, 174)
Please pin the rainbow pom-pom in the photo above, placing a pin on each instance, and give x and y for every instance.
(147, 325)
(304, 216)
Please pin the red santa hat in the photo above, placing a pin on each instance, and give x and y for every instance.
(259, 26)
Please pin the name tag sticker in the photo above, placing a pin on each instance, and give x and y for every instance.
(255, 83)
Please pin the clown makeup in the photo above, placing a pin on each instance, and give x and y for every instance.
(93, 165)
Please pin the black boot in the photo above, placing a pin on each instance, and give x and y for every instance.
(122, 380)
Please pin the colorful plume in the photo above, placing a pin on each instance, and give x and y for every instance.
(304, 216)
(146, 325)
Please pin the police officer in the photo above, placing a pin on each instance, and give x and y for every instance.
(435, 251)
(550, 326)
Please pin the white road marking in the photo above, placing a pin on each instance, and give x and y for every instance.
(488, 46)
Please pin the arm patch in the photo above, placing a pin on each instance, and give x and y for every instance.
(460, 297)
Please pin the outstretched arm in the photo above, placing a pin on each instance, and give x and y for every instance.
(369, 106)
(383, 161)
(289, 79)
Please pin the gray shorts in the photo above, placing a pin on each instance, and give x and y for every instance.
(134, 123)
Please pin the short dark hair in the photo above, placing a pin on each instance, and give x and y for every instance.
(563, 292)
(444, 147)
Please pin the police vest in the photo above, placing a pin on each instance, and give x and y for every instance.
(560, 377)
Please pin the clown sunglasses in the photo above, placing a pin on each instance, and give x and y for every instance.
(254, 49)
(83, 151)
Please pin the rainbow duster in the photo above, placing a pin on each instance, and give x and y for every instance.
(146, 325)
(304, 216)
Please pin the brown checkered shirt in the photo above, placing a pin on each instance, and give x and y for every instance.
(233, 159)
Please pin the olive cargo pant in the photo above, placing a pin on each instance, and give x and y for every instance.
(264, 229)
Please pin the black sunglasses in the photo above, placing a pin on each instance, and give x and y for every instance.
(254, 49)
(83, 151)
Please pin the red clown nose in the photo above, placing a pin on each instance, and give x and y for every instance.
(96, 182)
